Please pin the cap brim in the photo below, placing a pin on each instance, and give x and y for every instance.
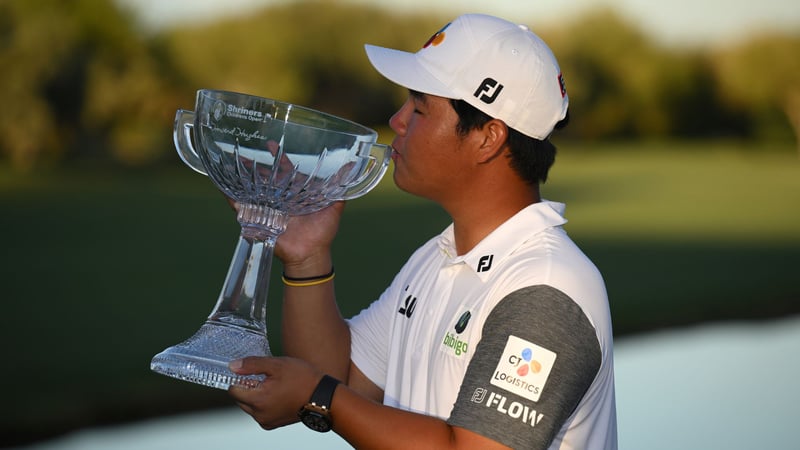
(404, 68)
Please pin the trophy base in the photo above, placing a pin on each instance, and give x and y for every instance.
(203, 358)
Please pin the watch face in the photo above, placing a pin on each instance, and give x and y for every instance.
(316, 421)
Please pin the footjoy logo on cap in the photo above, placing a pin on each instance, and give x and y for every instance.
(437, 37)
(488, 90)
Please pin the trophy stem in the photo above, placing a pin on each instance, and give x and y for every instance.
(243, 300)
(237, 326)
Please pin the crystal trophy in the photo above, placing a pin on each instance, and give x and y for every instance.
(274, 159)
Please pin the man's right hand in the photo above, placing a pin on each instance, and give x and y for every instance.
(307, 241)
(304, 248)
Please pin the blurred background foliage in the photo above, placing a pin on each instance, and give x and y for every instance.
(82, 81)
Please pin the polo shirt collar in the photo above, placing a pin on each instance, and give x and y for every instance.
(501, 242)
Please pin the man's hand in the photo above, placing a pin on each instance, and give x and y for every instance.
(307, 239)
(276, 401)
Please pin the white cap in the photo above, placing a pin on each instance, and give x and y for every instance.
(499, 67)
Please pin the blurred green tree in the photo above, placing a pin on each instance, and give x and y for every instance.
(310, 53)
(82, 81)
(610, 69)
(762, 77)
(79, 82)
(623, 85)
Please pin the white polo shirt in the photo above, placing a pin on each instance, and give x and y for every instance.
(512, 340)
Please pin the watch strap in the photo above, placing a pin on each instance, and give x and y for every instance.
(323, 394)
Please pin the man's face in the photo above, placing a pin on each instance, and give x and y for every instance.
(428, 158)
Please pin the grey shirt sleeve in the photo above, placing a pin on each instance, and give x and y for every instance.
(516, 407)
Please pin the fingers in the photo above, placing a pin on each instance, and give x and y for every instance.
(252, 365)
(251, 400)
(275, 402)
(244, 396)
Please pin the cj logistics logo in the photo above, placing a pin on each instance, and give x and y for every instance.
(528, 364)
(524, 368)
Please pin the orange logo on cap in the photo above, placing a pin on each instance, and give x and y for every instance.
(437, 37)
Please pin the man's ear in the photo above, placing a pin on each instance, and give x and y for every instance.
(494, 134)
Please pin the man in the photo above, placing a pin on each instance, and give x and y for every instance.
(495, 333)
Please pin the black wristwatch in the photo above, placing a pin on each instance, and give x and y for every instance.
(317, 413)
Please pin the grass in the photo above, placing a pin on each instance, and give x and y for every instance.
(689, 193)
(102, 270)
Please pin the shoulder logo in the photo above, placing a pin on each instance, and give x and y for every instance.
(524, 368)
(507, 406)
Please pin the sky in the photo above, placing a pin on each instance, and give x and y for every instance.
(673, 22)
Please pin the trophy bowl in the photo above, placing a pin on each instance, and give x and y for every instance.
(274, 159)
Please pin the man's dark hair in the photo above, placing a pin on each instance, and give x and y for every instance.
(531, 158)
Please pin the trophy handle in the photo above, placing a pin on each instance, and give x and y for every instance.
(182, 135)
(378, 157)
